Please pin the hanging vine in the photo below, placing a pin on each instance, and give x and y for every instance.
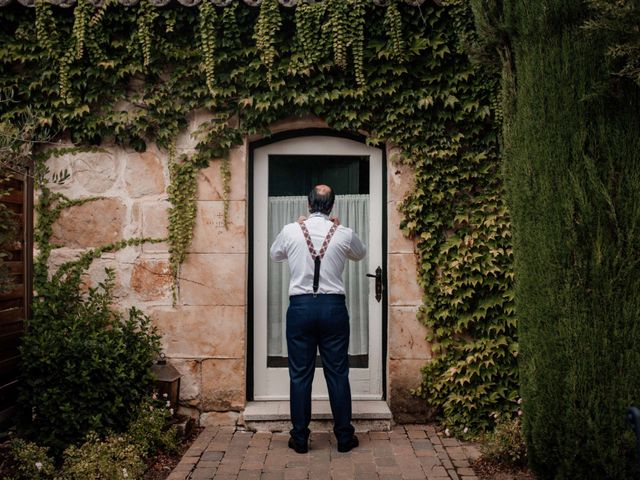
(356, 38)
(182, 213)
(208, 21)
(338, 18)
(393, 23)
(46, 28)
(309, 20)
(267, 28)
(147, 15)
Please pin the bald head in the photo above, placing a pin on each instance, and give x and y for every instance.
(321, 199)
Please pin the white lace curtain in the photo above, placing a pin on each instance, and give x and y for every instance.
(353, 212)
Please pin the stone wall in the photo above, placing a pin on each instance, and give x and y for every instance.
(408, 350)
(204, 335)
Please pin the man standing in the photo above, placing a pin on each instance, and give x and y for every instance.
(317, 249)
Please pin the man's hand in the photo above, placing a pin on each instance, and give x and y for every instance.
(301, 219)
(335, 220)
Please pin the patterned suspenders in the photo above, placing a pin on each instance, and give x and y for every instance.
(317, 256)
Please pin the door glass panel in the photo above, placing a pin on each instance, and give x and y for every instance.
(291, 177)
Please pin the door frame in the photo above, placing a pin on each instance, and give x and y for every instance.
(286, 135)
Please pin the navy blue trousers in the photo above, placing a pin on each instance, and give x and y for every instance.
(319, 322)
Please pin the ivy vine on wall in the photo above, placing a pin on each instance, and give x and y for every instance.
(132, 74)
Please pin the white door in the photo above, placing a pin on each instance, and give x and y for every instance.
(283, 174)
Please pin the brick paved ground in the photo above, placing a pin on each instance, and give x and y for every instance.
(407, 452)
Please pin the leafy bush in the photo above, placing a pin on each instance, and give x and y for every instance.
(85, 367)
(116, 456)
(573, 177)
(33, 461)
(149, 429)
(113, 458)
(505, 445)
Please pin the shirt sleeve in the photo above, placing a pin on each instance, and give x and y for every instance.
(357, 250)
(278, 250)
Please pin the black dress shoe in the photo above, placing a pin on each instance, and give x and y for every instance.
(298, 448)
(345, 447)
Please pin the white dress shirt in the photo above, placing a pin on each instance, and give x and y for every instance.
(291, 245)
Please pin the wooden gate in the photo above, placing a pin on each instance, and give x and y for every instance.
(15, 301)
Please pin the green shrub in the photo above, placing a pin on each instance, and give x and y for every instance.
(505, 445)
(149, 429)
(573, 177)
(85, 366)
(113, 458)
(116, 456)
(33, 461)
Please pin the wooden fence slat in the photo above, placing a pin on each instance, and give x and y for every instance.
(12, 315)
(14, 196)
(15, 305)
(16, 292)
(8, 304)
(14, 267)
(9, 364)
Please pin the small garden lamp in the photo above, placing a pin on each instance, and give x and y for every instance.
(167, 381)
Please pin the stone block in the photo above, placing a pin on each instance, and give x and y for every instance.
(213, 279)
(208, 419)
(407, 335)
(203, 331)
(295, 123)
(210, 180)
(92, 224)
(96, 172)
(398, 243)
(403, 281)
(399, 177)
(403, 376)
(210, 234)
(151, 279)
(190, 380)
(223, 384)
(154, 217)
(144, 174)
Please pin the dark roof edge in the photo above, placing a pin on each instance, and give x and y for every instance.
(190, 3)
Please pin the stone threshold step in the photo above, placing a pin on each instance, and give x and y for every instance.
(273, 416)
(320, 410)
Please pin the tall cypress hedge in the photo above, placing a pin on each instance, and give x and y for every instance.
(572, 168)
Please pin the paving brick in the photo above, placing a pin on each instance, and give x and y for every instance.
(408, 452)
(439, 471)
(413, 475)
(212, 456)
(416, 434)
(446, 463)
(365, 467)
(249, 474)
(466, 472)
(183, 467)
(386, 461)
(296, 473)
(176, 476)
(388, 470)
(203, 474)
(277, 475)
